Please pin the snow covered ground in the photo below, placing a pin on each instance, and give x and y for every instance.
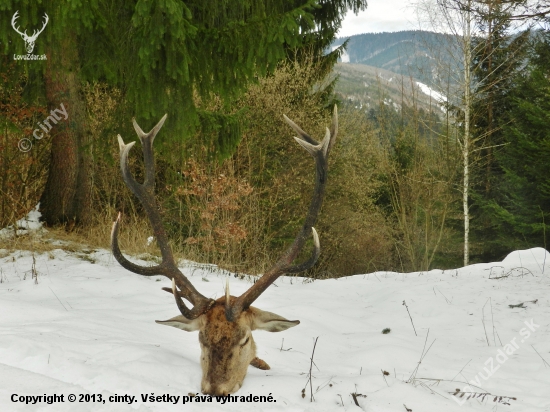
(87, 328)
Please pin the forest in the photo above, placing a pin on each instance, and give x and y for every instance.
(409, 188)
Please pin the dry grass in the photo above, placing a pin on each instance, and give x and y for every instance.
(45, 241)
(133, 238)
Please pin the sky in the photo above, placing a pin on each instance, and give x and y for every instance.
(388, 16)
(380, 16)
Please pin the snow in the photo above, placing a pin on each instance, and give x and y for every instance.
(432, 93)
(344, 58)
(23, 226)
(86, 326)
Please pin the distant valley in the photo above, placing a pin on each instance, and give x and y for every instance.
(367, 87)
(396, 68)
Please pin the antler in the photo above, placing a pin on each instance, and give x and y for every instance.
(284, 265)
(146, 194)
(15, 17)
(24, 34)
(37, 32)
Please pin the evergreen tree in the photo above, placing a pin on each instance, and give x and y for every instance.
(498, 57)
(166, 56)
(520, 205)
(497, 61)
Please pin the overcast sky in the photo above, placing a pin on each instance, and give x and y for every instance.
(389, 16)
(380, 16)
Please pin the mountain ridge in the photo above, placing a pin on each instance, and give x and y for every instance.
(408, 52)
(366, 87)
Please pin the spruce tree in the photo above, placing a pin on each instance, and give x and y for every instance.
(167, 56)
(498, 59)
(519, 208)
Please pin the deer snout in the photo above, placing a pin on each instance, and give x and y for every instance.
(219, 390)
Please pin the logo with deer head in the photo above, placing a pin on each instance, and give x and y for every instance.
(29, 40)
(225, 325)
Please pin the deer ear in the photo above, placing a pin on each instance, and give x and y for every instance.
(271, 322)
(181, 322)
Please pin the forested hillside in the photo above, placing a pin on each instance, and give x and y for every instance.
(498, 152)
(365, 86)
(410, 53)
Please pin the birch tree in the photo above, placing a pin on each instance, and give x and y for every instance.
(464, 21)
(453, 78)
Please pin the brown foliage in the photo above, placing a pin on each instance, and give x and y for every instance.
(215, 202)
(22, 174)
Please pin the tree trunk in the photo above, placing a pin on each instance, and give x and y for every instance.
(466, 143)
(491, 99)
(67, 195)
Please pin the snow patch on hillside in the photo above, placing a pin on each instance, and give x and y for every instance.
(344, 58)
(432, 93)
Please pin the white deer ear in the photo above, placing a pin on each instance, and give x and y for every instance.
(181, 322)
(271, 322)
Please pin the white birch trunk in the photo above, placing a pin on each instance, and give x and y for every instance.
(466, 145)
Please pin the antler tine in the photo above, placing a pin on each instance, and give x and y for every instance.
(153, 133)
(299, 130)
(177, 295)
(146, 194)
(227, 296)
(13, 19)
(334, 125)
(35, 33)
(320, 152)
(147, 140)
